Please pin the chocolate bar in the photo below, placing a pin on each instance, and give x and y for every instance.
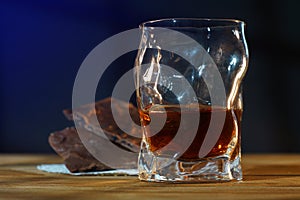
(69, 146)
(129, 139)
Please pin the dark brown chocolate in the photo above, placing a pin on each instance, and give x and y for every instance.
(129, 139)
(69, 145)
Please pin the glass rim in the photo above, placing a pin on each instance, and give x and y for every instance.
(228, 22)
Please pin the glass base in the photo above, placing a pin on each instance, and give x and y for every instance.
(162, 169)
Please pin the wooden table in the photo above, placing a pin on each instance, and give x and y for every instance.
(266, 176)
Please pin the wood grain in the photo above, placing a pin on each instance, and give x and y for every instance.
(266, 176)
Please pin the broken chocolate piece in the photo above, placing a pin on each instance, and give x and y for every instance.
(70, 143)
(130, 138)
(77, 158)
(67, 144)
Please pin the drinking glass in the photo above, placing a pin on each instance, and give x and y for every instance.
(188, 75)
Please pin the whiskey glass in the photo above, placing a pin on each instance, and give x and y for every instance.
(188, 75)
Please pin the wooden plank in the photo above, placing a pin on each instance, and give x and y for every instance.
(266, 177)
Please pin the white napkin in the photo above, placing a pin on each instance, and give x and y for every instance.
(62, 169)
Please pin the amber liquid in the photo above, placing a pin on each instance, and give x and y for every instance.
(172, 115)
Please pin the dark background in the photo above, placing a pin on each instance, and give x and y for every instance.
(43, 43)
